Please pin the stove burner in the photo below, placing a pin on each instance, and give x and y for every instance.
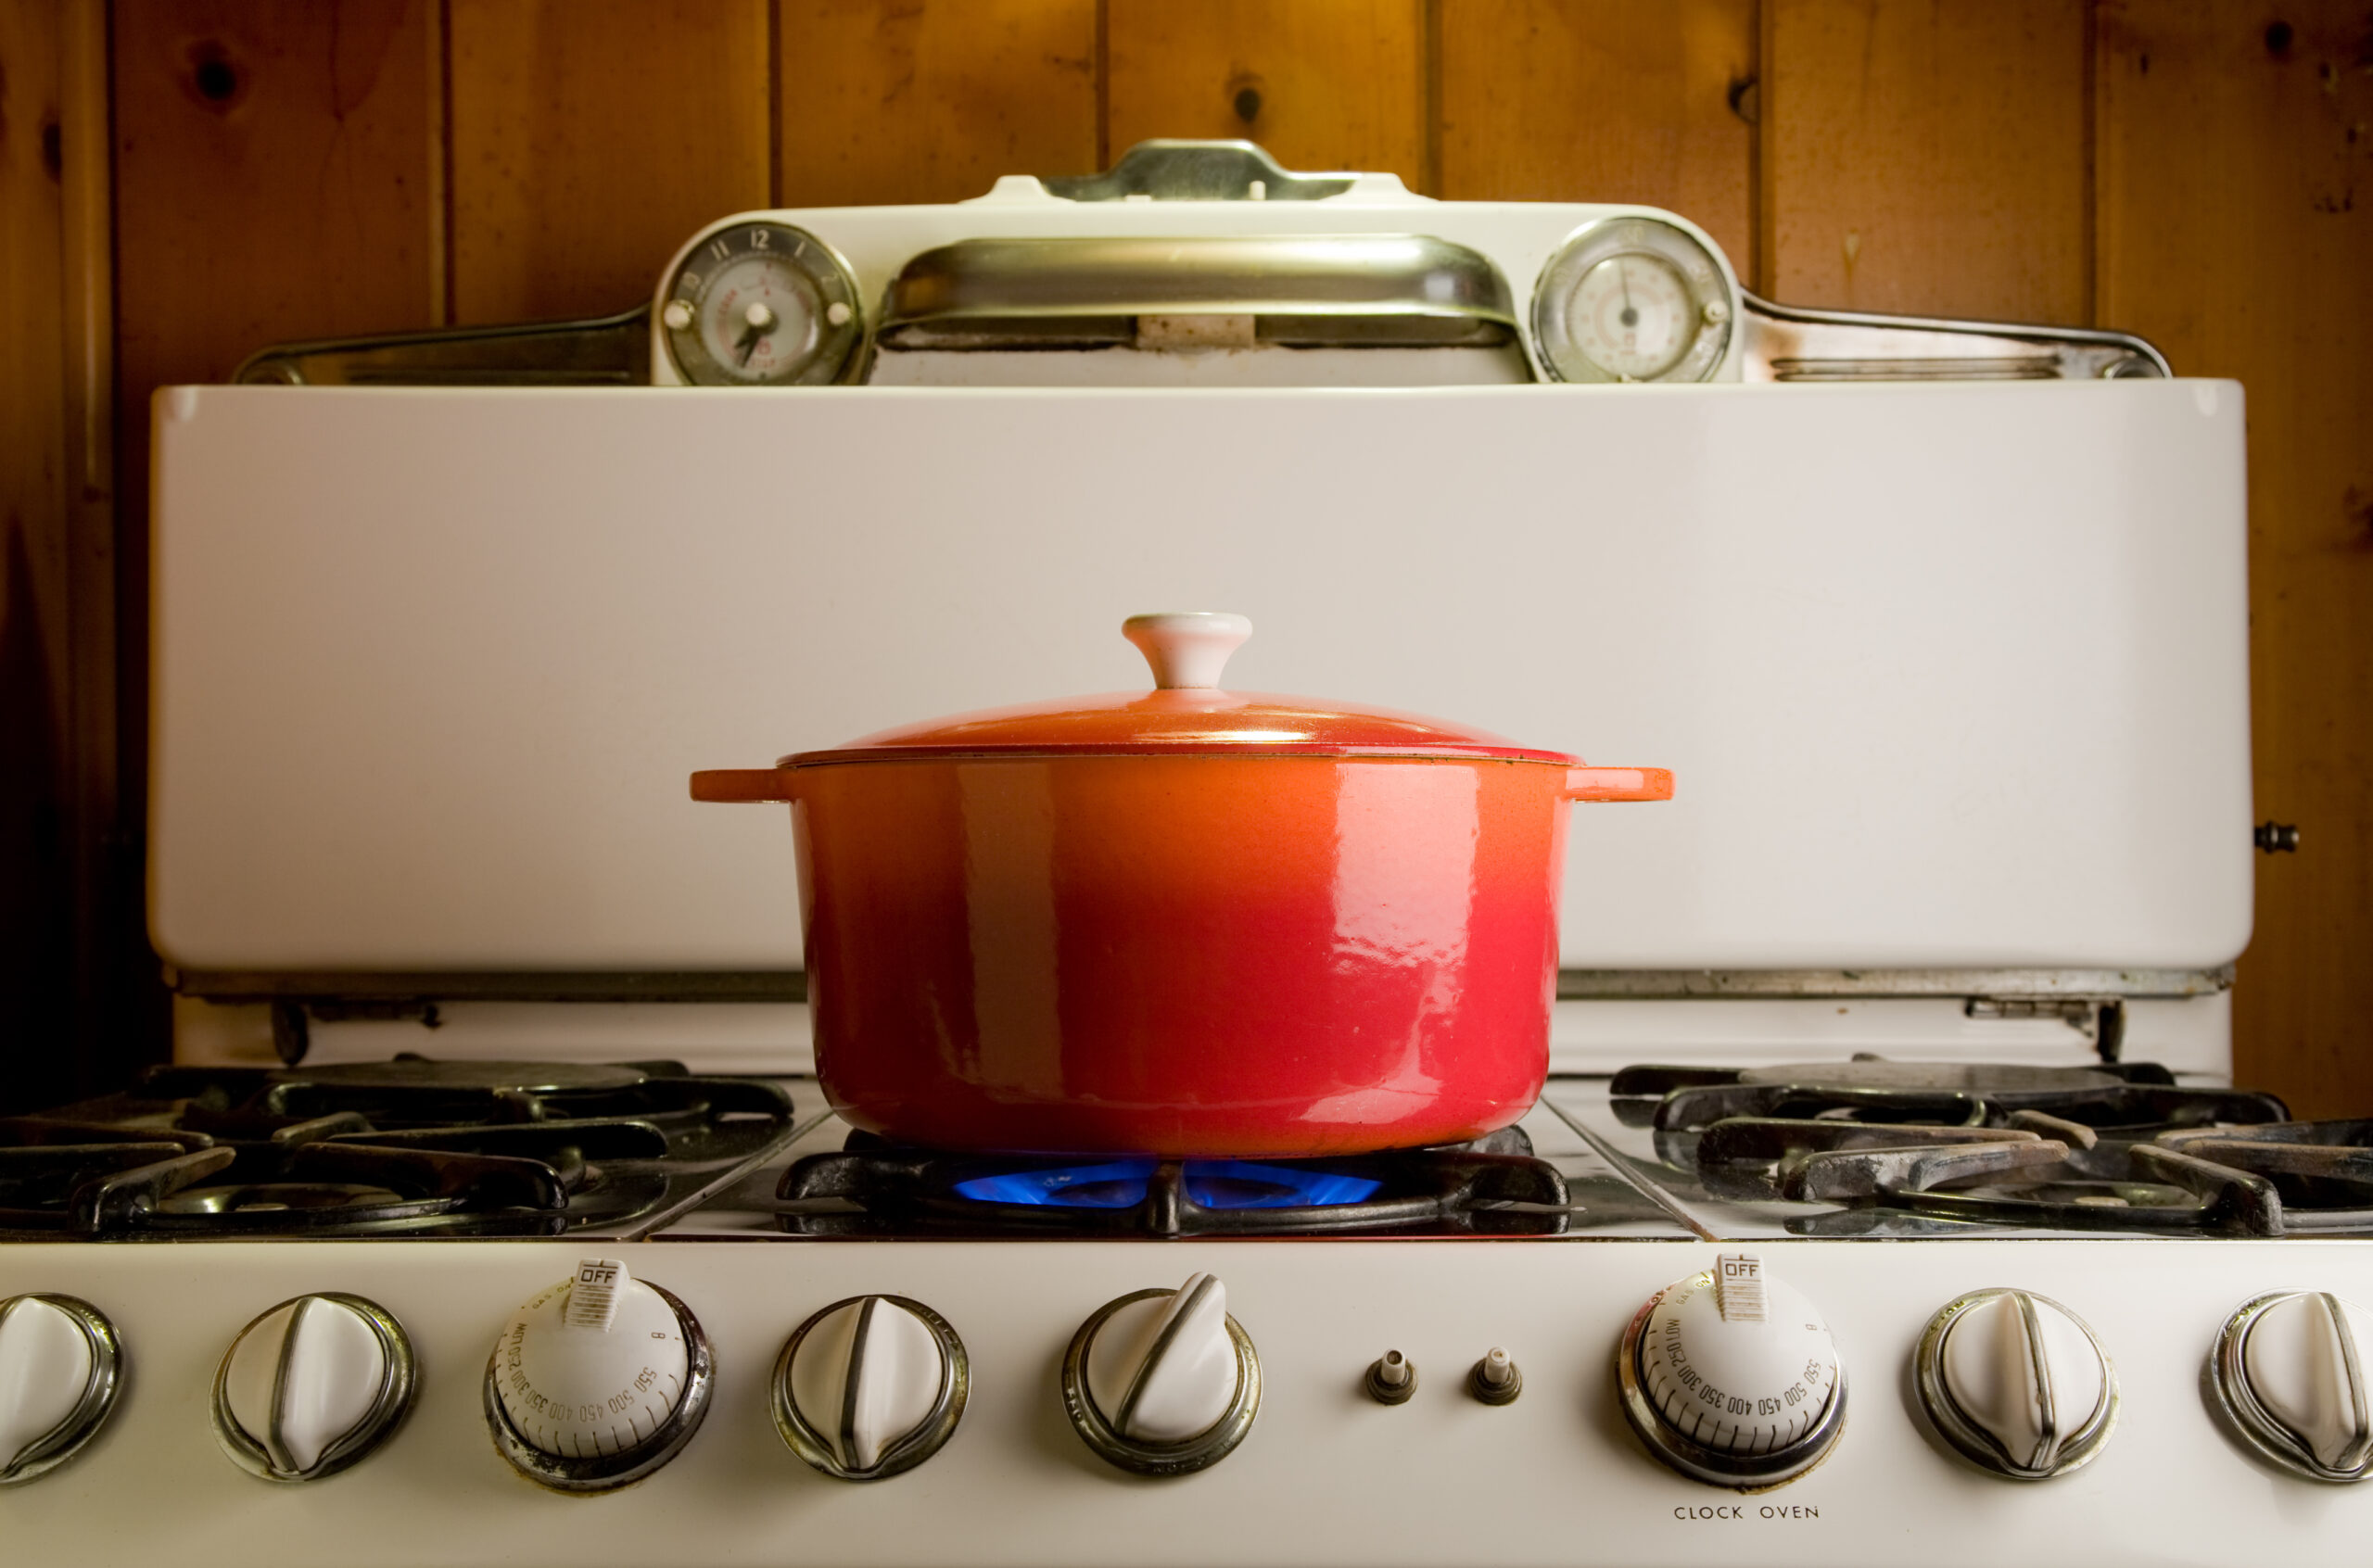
(1492, 1186)
(396, 1147)
(1214, 1183)
(2118, 1148)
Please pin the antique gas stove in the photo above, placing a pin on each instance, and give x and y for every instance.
(492, 1211)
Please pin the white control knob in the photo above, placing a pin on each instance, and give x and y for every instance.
(1730, 1377)
(60, 1365)
(597, 1382)
(870, 1386)
(313, 1386)
(2291, 1370)
(2016, 1383)
(1164, 1382)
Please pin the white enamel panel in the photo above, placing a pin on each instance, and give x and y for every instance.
(1326, 1475)
(1949, 675)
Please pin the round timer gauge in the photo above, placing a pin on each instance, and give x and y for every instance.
(1632, 299)
(762, 305)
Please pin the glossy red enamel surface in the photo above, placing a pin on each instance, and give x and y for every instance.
(1195, 955)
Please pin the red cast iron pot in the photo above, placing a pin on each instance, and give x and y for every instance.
(1188, 922)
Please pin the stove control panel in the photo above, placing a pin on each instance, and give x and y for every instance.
(1039, 1401)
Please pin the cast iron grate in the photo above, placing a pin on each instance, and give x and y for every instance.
(408, 1147)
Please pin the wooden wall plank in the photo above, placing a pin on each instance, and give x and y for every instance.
(591, 138)
(1602, 100)
(273, 179)
(2237, 232)
(1928, 159)
(931, 100)
(1321, 83)
(37, 900)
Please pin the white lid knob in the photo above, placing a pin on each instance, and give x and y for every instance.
(1187, 648)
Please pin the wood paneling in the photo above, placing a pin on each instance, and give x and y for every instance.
(1321, 83)
(36, 891)
(591, 138)
(2237, 232)
(273, 179)
(1927, 159)
(1602, 100)
(931, 100)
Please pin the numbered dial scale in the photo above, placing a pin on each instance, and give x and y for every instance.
(1632, 299)
(757, 304)
(597, 1381)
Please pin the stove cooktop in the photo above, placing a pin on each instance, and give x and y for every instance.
(771, 1276)
(1866, 1147)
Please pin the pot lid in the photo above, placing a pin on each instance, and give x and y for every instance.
(1186, 711)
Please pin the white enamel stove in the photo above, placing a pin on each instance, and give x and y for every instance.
(1942, 627)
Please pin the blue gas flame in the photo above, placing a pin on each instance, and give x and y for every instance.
(1214, 1183)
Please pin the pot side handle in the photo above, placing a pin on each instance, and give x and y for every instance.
(1617, 784)
(744, 786)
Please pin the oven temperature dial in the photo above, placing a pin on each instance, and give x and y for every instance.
(1730, 1377)
(597, 1382)
(1164, 1382)
(2291, 1370)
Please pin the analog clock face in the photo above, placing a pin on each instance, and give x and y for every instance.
(1632, 299)
(762, 305)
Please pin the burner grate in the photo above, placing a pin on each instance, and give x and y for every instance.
(2119, 1148)
(400, 1147)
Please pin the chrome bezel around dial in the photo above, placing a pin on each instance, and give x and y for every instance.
(100, 1390)
(1200, 1452)
(955, 1384)
(1711, 310)
(388, 1409)
(835, 356)
(1741, 1473)
(1971, 1440)
(2265, 1435)
(605, 1472)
